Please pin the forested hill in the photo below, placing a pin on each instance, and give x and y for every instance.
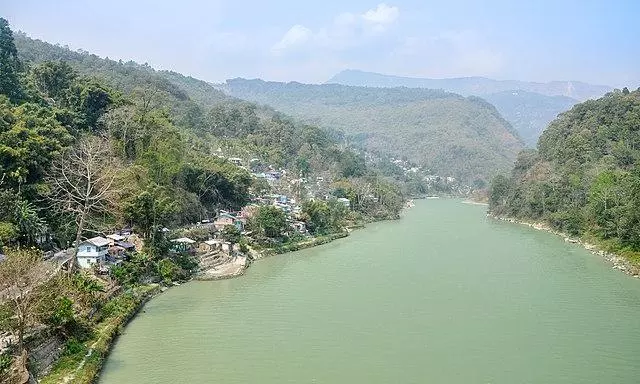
(452, 135)
(529, 112)
(162, 139)
(585, 176)
(472, 85)
(529, 107)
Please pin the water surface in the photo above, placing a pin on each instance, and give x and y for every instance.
(444, 295)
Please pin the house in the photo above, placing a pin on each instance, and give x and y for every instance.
(183, 244)
(115, 237)
(345, 201)
(92, 252)
(225, 219)
(235, 160)
(216, 244)
(299, 226)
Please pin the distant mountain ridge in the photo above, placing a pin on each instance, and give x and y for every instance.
(476, 86)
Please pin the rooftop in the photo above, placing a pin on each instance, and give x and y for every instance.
(98, 241)
(184, 240)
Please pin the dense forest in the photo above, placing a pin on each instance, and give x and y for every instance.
(449, 134)
(160, 134)
(529, 112)
(584, 178)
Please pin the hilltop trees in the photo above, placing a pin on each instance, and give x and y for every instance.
(9, 64)
(585, 177)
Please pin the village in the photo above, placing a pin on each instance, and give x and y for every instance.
(217, 254)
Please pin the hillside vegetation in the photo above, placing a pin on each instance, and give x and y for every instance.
(452, 135)
(89, 146)
(529, 112)
(584, 179)
(528, 106)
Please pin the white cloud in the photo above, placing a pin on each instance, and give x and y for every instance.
(382, 15)
(295, 36)
(347, 30)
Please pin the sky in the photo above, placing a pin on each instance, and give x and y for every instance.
(309, 41)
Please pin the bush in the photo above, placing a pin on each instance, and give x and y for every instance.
(74, 347)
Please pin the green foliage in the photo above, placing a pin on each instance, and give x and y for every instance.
(59, 312)
(529, 112)
(585, 177)
(150, 210)
(8, 233)
(271, 221)
(324, 217)
(168, 270)
(452, 135)
(231, 234)
(74, 346)
(9, 63)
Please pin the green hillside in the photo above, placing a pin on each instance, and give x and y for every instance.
(528, 106)
(529, 112)
(584, 178)
(452, 135)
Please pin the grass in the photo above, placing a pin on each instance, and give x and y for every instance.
(80, 367)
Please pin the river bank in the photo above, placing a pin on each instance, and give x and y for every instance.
(81, 364)
(617, 261)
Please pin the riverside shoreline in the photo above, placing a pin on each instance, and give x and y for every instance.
(617, 261)
(88, 369)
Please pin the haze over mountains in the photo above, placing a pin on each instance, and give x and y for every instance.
(528, 106)
(472, 86)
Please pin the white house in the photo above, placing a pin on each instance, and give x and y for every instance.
(346, 202)
(92, 252)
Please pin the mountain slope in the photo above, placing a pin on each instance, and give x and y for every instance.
(453, 135)
(585, 177)
(528, 106)
(529, 112)
(471, 85)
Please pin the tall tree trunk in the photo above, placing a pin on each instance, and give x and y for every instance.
(74, 256)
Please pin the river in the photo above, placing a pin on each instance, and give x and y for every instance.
(444, 295)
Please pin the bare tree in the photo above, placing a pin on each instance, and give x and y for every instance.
(83, 183)
(22, 276)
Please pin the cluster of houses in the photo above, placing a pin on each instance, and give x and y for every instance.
(99, 251)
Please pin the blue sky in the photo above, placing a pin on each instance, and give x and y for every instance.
(309, 41)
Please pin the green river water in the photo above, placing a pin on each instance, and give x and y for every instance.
(443, 295)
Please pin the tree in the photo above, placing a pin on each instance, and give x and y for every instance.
(231, 234)
(22, 276)
(83, 182)
(316, 215)
(9, 63)
(271, 221)
(53, 79)
(30, 137)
